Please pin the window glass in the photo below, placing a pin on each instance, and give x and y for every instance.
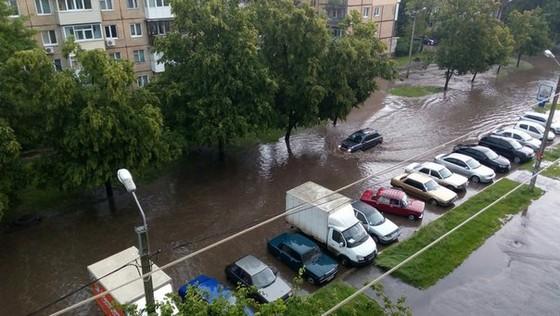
(360, 217)
(13, 7)
(111, 31)
(58, 64)
(533, 129)
(355, 235)
(375, 218)
(377, 11)
(115, 55)
(384, 200)
(263, 278)
(445, 173)
(491, 155)
(136, 30)
(516, 145)
(473, 164)
(49, 37)
(425, 170)
(106, 4)
(337, 236)
(431, 185)
(43, 6)
(132, 4)
(311, 254)
(139, 56)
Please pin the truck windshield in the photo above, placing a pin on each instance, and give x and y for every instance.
(355, 235)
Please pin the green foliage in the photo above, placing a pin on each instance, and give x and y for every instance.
(551, 12)
(530, 32)
(9, 166)
(219, 89)
(414, 91)
(441, 259)
(14, 36)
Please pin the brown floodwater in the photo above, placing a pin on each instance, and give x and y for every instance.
(205, 199)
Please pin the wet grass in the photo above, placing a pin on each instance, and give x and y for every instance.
(261, 137)
(552, 172)
(414, 91)
(550, 154)
(440, 260)
(327, 297)
(512, 67)
(402, 62)
(542, 109)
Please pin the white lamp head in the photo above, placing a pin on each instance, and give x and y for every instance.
(549, 54)
(126, 179)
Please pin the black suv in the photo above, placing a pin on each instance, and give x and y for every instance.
(485, 156)
(507, 147)
(361, 140)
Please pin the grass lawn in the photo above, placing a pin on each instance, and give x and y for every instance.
(415, 91)
(402, 61)
(543, 109)
(440, 260)
(327, 297)
(550, 154)
(552, 172)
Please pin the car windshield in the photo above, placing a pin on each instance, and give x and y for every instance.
(473, 164)
(516, 145)
(524, 137)
(355, 235)
(404, 201)
(311, 254)
(263, 278)
(431, 185)
(445, 173)
(375, 218)
(491, 155)
(356, 137)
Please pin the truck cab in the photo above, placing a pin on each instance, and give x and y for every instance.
(352, 245)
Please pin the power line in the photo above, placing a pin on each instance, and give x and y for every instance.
(405, 261)
(290, 211)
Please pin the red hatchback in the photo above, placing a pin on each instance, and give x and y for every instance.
(394, 201)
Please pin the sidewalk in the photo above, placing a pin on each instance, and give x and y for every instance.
(516, 272)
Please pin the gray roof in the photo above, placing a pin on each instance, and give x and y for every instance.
(251, 264)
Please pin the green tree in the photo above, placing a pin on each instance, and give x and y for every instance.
(293, 40)
(103, 124)
(14, 36)
(9, 166)
(220, 88)
(530, 32)
(350, 67)
(551, 11)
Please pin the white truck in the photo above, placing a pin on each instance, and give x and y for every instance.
(329, 218)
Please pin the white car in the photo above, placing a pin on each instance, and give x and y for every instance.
(540, 119)
(533, 129)
(467, 166)
(520, 136)
(441, 174)
(381, 229)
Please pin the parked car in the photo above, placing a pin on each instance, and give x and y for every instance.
(540, 119)
(440, 174)
(430, 41)
(520, 136)
(361, 140)
(533, 129)
(485, 156)
(393, 201)
(298, 251)
(425, 188)
(466, 166)
(508, 147)
(380, 228)
(211, 290)
(250, 271)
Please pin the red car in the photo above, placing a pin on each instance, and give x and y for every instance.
(394, 201)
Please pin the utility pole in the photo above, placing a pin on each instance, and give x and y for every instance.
(411, 45)
(540, 154)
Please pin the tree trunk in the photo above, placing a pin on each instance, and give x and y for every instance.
(109, 189)
(518, 59)
(221, 151)
(291, 125)
(499, 68)
(448, 75)
(335, 120)
(474, 77)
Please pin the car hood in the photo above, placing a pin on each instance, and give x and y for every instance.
(386, 228)
(366, 248)
(555, 125)
(534, 142)
(444, 194)
(550, 136)
(484, 171)
(278, 289)
(502, 161)
(321, 265)
(456, 180)
(416, 206)
(347, 144)
(527, 151)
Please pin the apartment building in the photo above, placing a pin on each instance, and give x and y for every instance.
(383, 12)
(125, 29)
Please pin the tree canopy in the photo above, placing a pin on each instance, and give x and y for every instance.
(530, 32)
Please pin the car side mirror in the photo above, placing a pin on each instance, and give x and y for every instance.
(341, 244)
(274, 270)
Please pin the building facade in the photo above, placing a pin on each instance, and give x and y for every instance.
(125, 29)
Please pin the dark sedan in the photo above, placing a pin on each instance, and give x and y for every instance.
(507, 147)
(361, 140)
(298, 251)
(485, 156)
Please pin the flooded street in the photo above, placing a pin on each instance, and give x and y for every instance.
(204, 199)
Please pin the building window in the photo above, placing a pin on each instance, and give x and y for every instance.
(158, 3)
(111, 31)
(132, 4)
(139, 56)
(43, 6)
(84, 32)
(377, 11)
(159, 27)
(57, 64)
(136, 30)
(115, 55)
(366, 12)
(12, 7)
(142, 81)
(72, 5)
(106, 4)
(337, 32)
(49, 38)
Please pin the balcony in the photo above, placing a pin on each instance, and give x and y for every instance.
(157, 10)
(155, 65)
(78, 12)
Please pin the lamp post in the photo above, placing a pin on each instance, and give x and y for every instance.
(413, 13)
(143, 243)
(540, 154)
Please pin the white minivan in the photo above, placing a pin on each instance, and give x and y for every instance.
(533, 129)
(540, 119)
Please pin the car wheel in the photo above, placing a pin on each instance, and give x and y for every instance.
(411, 217)
(433, 202)
(475, 179)
(311, 280)
(375, 238)
(344, 261)
(516, 160)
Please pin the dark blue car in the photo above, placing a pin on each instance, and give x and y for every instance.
(298, 251)
(211, 290)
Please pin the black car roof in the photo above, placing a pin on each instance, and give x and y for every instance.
(366, 131)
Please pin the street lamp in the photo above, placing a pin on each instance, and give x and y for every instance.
(540, 154)
(413, 13)
(125, 178)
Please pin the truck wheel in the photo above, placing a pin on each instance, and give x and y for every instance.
(411, 217)
(344, 261)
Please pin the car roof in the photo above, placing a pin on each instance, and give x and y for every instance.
(463, 158)
(530, 123)
(364, 207)
(211, 287)
(251, 264)
(418, 177)
(391, 193)
(432, 166)
(366, 131)
(296, 242)
(535, 114)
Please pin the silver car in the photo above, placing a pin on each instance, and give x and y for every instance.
(533, 129)
(441, 174)
(466, 166)
(520, 136)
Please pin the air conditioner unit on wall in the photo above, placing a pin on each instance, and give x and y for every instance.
(49, 50)
(110, 42)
